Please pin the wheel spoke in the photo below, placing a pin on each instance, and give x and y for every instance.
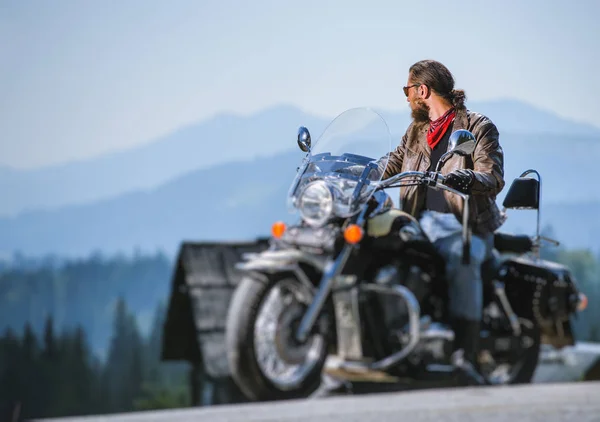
(282, 361)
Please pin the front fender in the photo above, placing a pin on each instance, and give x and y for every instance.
(278, 260)
(270, 262)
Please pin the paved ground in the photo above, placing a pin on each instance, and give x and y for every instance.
(572, 402)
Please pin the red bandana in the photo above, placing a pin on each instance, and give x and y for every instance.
(438, 128)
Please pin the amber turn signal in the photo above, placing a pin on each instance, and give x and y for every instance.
(583, 302)
(278, 229)
(353, 234)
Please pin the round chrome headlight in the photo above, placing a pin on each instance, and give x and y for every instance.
(316, 203)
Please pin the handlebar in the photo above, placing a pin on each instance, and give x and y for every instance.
(436, 180)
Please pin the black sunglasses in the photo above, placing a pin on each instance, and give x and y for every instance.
(406, 88)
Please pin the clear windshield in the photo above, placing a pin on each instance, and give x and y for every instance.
(341, 171)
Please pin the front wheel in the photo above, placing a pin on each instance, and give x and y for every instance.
(264, 359)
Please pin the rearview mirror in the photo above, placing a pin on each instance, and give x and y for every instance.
(462, 142)
(304, 139)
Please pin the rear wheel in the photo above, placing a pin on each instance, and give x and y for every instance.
(265, 360)
(513, 365)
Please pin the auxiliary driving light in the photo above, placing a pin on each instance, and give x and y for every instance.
(278, 229)
(353, 234)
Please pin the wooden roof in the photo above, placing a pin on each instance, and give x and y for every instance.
(201, 288)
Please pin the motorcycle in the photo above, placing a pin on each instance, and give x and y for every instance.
(355, 291)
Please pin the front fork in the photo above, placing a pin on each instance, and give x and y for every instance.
(332, 270)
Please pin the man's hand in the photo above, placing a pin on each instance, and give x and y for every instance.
(461, 180)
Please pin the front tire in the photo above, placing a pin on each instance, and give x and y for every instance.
(253, 327)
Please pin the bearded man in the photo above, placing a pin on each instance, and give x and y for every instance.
(437, 110)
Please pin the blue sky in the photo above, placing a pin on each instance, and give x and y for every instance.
(81, 78)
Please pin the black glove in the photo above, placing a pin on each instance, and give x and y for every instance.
(460, 180)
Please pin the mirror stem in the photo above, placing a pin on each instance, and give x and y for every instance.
(442, 161)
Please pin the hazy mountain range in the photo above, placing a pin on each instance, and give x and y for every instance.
(218, 140)
(223, 138)
(226, 178)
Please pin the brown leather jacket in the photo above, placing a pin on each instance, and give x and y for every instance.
(487, 162)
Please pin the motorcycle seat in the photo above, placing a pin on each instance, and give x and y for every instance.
(504, 243)
(512, 243)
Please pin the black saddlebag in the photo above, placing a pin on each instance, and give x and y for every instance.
(543, 292)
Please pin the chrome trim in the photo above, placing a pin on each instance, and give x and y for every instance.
(276, 258)
(437, 332)
(329, 208)
(355, 306)
(400, 176)
(348, 326)
(504, 302)
(414, 311)
(539, 207)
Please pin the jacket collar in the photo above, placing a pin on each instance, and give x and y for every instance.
(461, 121)
(417, 136)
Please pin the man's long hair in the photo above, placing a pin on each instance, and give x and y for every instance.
(439, 79)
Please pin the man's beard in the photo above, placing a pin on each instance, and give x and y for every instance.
(420, 111)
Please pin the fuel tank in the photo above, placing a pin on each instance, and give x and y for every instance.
(395, 224)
